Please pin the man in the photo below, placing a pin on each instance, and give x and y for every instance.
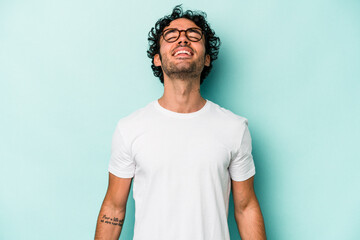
(183, 152)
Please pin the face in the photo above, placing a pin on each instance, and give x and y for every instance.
(182, 65)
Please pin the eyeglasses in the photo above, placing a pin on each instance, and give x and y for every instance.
(172, 34)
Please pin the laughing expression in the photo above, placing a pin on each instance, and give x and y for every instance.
(182, 58)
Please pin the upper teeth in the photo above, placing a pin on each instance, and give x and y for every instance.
(182, 51)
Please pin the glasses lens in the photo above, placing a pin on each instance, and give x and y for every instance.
(171, 35)
(194, 34)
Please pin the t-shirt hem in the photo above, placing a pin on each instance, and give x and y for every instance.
(120, 174)
(248, 175)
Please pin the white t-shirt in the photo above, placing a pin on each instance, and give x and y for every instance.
(181, 164)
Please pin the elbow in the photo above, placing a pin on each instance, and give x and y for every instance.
(243, 206)
(114, 207)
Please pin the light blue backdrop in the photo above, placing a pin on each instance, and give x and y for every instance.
(70, 69)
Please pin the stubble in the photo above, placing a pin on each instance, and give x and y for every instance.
(183, 69)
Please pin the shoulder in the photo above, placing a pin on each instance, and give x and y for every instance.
(137, 117)
(228, 116)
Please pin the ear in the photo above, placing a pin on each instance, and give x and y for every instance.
(157, 61)
(207, 60)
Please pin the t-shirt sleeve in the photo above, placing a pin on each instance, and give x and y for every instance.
(242, 164)
(121, 162)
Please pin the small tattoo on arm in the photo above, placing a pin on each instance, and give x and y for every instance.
(112, 220)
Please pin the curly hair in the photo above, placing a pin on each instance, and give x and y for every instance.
(212, 42)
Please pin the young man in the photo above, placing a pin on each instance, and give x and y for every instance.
(183, 152)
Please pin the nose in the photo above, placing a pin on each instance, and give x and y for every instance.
(183, 38)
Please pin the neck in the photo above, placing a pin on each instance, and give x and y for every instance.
(182, 96)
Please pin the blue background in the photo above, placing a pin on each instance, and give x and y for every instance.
(69, 70)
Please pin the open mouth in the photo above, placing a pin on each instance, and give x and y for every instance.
(182, 53)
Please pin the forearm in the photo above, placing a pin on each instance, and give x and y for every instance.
(109, 222)
(250, 222)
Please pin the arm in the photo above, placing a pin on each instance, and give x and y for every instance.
(112, 212)
(248, 215)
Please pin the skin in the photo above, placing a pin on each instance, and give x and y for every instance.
(247, 212)
(113, 206)
(182, 94)
(182, 91)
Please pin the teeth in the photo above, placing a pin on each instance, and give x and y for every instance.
(182, 51)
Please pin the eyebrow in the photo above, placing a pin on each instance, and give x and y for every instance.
(184, 29)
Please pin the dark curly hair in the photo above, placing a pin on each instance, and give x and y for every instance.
(212, 42)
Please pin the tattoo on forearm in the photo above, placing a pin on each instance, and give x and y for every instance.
(113, 221)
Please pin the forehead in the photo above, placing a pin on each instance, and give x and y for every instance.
(181, 23)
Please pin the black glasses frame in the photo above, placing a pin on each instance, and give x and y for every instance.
(179, 32)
